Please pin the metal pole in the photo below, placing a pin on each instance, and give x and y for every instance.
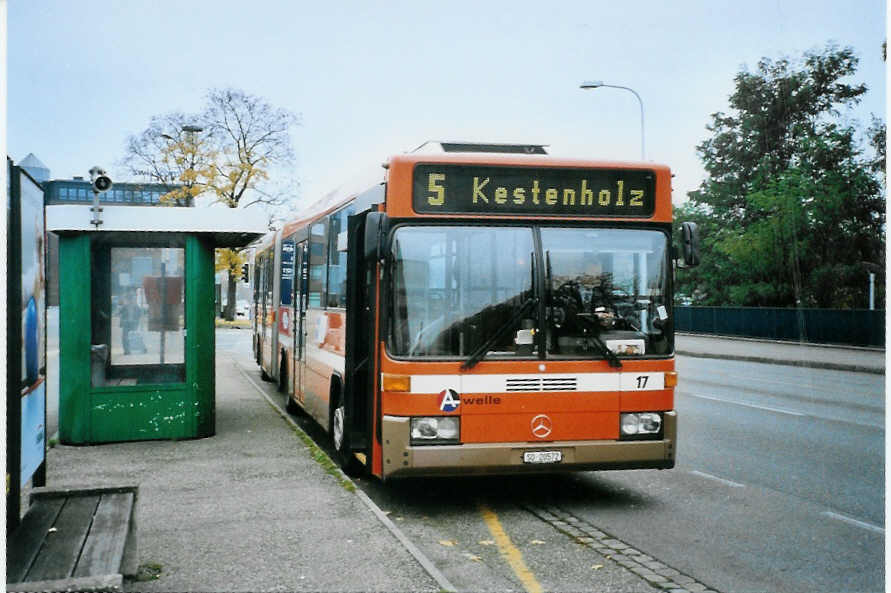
(163, 290)
(96, 210)
(872, 291)
(596, 84)
(640, 102)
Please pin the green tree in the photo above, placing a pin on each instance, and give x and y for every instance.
(792, 208)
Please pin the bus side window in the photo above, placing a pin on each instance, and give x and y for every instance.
(337, 259)
(258, 264)
(270, 282)
(317, 265)
(286, 289)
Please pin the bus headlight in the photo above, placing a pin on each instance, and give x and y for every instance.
(435, 430)
(640, 424)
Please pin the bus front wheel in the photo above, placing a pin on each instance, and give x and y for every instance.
(348, 462)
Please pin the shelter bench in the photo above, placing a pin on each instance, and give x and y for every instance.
(74, 540)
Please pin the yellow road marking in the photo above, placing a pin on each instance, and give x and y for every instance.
(510, 552)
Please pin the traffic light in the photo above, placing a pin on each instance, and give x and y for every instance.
(245, 273)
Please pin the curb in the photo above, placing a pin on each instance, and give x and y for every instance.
(834, 366)
(657, 574)
(782, 342)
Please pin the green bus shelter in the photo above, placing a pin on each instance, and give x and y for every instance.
(136, 319)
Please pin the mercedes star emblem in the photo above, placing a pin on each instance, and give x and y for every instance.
(542, 426)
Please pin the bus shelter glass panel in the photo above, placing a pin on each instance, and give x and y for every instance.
(455, 287)
(143, 298)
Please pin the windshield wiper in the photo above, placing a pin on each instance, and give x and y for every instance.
(602, 348)
(483, 349)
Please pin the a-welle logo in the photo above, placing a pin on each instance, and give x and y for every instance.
(449, 400)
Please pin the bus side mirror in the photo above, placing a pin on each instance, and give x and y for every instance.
(690, 244)
(377, 225)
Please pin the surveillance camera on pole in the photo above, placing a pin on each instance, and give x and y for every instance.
(100, 180)
(101, 183)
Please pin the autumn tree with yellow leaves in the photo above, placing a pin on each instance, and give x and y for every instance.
(227, 152)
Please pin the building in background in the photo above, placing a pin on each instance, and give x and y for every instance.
(35, 168)
(79, 191)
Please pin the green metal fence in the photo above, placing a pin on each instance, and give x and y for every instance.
(856, 327)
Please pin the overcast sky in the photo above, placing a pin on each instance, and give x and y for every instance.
(370, 79)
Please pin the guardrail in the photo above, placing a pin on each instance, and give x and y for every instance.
(855, 327)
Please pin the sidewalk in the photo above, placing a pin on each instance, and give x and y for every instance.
(864, 360)
(245, 510)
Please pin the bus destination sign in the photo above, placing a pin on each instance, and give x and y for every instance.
(471, 189)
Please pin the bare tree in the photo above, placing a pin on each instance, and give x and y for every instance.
(167, 154)
(251, 137)
(231, 151)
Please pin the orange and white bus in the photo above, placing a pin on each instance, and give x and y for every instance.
(477, 312)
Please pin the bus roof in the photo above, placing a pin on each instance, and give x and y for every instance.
(443, 146)
(517, 159)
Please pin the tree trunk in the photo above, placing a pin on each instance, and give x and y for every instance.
(229, 313)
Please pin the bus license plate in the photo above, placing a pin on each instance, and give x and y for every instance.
(542, 457)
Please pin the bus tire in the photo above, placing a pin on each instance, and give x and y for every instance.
(282, 386)
(290, 404)
(345, 458)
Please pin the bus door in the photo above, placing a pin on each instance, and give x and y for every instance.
(360, 389)
(269, 314)
(301, 266)
(258, 307)
(262, 305)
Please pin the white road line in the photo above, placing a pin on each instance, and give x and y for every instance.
(817, 386)
(757, 407)
(717, 479)
(879, 426)
(830, 514)
(855, 522)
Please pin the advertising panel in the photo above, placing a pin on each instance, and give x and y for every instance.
(33, 320)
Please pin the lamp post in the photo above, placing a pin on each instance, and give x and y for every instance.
(593, 84)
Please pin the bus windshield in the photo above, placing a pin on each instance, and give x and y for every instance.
(459, 291)
(454, 286)
(608, 285)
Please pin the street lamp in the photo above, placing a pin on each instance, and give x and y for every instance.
(593, 84)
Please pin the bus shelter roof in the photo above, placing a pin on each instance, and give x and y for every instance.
(228, 227)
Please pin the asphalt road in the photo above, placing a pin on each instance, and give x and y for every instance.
(779, 484)
(779, 487)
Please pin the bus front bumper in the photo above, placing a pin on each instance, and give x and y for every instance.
(400, 459)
